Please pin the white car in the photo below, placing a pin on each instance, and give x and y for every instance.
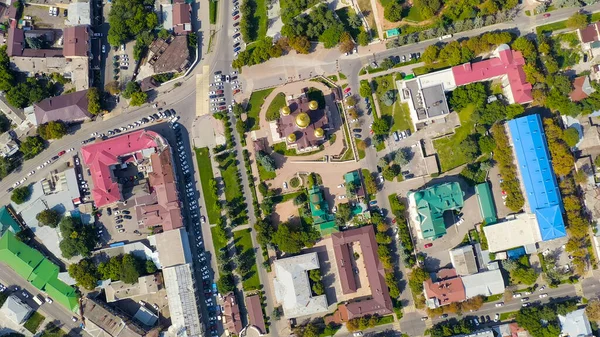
(212, 92)
(543, 295)
(234, 73)
(498, 305)
(31, 173)
(342, 197)
(285, 185)
(334, 209)
(49, 300)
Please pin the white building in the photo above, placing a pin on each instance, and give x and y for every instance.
(486, 283)
(16, 310)
(520, 230)
(292, 286)
(575, 324)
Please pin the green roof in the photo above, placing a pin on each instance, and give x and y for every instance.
(352, 177)
(7, 222)
(431, 204)
(326, 228)
(35, 268)
(319, 208)
(486, 203)
(63, 294)
(20, 257)
(43, 273)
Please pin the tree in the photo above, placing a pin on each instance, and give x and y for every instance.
(93, 96)
(301, 44)
(48, 217)
(474, 93)
(164, 34)
(267, 162)
(129, 18)
(20, 194)
(365, 89)
(381, 126)
(131, 88)
(393, 11)
(7, 76)
(389, 97)
(486, 144)
(77, 238)
(593, 309)
(430, 54)
(346, 43)
(226, 283)
(112, 87)
(387, 63)
(370, 184)
(85, 273)
(391, 172)
(363, 38)
(343, 214)
(402, 156)
(469, 149)
(150, 267)
(571, 136)
(526, 46)
(577, 21)
(52, 130)
(453, 54)
(428, 8)
(287, 239)
(138, 98)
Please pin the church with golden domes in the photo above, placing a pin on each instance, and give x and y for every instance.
(302, 124)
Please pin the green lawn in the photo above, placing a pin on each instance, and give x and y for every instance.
(380, 146)
(276, 104)
(34, 321)
(253, 108)
(508, 315)
(447, 146)
(549, 28)
(286, 197)
(361, 153)
(212, 10)
(218, 243)
(261, 15)
(229, 173)
(414, 14)
(349, 154)
(244, 241)
(399, 112)
(385, 320)
(206, 174)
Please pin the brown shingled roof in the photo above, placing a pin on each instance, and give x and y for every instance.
(181, 14)
(380, 302)
(76, 41)
(231, 312)
(71, 107)
(255, 314)
(589, 33)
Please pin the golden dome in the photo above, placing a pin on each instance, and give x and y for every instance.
(319, 132)
(302, 120)
(313, 105)
(285, 110)
(317, 206)
(291, 138)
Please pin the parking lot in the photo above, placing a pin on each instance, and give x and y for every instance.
(43, 20)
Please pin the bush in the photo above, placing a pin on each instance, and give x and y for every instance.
(52, 130)
(508, 170)
(295, 182)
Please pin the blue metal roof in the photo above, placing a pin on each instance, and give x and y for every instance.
(541, 189)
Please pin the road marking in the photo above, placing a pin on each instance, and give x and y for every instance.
(202, 85)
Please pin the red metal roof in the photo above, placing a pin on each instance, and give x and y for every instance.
(380, 302)
(589, 33)
(100, 156)
(578, 94)
(509, 63)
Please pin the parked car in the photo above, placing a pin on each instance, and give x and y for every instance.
(428, 245)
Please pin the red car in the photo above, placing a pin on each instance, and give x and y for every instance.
(428, 245)
(236, 17)
(347, 90)
(236, 91)
(222, 107)
(547, 15)
(61, 153)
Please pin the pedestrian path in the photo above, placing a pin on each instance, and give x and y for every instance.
(202, 88)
